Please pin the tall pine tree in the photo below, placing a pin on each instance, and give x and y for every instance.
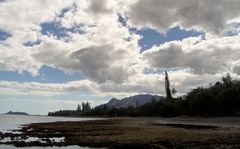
(167, 86)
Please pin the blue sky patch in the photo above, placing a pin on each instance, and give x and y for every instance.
(122, 20)
(32, 43)
(63, 11)
(54, 75)
(4, 35)
(47, 75)
(233, 29)
(152, 37)
(55, 29)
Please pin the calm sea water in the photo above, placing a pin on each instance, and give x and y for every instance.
(10, 122)
(13, 122)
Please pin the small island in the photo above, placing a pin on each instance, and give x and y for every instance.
(16, 113)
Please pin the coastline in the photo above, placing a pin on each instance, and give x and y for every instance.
(134, 133)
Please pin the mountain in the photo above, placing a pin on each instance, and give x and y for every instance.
(131, 101)
(17, 113)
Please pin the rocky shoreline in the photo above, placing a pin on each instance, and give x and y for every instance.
(124, 133)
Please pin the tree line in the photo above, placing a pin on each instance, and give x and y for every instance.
(220, 99)
(84, 107)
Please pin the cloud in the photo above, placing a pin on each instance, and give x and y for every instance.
(27, 15)
(22, 20)
(89, 39)
(103, 51)
(210, 56)
(17, 59)
(211, 16)
(102, 63)
(45, 89)
(99, 7)
(236, 67)
(99, 63)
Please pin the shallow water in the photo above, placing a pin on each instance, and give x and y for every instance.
(65, 147)
(10, 122)
(222, 122)
(32, 139)
(13, 122)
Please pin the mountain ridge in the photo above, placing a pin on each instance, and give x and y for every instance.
(131, 101)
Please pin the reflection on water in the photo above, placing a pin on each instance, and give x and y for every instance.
(65, 147)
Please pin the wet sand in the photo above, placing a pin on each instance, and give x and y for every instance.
(197, 133)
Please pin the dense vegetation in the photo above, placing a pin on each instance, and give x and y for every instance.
(220, 99)
(223, 98)
(78, 112)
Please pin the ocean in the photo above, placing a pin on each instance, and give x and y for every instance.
(14, 122)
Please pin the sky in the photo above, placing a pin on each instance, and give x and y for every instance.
(54, 54)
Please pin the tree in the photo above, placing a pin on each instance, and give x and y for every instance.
(167, 86)
(83, 106)
(174, 91)
(79, 108)
(137, 104)
(86, 106)
(227, 80)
